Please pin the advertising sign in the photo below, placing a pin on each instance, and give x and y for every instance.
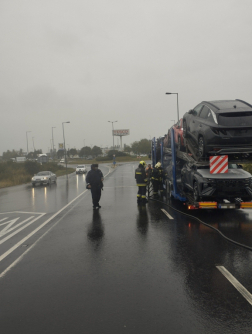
(121, 132)
(61, 146)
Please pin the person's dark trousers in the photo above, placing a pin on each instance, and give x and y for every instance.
(141, 195)
(160, 186)
(96, 195)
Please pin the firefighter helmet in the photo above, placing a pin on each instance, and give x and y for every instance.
(142, 163)
(158, 165)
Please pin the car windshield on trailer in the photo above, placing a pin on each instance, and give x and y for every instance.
(43, 173)
(80, 166)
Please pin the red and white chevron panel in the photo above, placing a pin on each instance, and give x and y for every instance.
(218, 164)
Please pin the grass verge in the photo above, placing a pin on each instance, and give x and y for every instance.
(13, 174)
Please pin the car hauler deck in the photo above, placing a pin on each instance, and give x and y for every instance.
(236, 185)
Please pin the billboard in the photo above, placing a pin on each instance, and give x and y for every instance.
(121, 132)
(61, 146)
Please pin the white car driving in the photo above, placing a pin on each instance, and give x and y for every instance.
(45, 177)
(81, 169)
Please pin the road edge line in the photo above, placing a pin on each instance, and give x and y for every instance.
(239, 287)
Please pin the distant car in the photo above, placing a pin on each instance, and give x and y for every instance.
(81, 169)
(178, 135)
(237, 183)
(46, 177)
(62, 161)
(219, 124)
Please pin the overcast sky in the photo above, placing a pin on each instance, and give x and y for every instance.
(94, 61)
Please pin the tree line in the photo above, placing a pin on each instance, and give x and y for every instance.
(137, 147)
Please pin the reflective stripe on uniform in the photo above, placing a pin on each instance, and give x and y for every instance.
(138, 195)
(141, 184)
(139, 173)
(143, 196)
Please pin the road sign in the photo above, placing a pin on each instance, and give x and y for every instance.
(124, 132)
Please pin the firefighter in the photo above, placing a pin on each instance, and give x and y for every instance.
(148, 171)
(157, 178)
(141, 180)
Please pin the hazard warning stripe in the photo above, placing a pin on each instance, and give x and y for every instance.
(219, 164)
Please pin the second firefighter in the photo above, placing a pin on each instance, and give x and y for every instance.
(141, 180)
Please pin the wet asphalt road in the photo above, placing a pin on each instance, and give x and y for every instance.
(123, 269)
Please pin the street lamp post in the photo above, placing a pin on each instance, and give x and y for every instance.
(177, 103)
(113, 131)
(27, 142)
(33, 144)
(64, 143)
(53, 127)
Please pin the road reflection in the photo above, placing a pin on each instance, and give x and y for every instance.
(195, 250)
(142, 220)
(96, 230)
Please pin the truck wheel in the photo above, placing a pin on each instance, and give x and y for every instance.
(201, 145)
(196, 191)
(185, 132)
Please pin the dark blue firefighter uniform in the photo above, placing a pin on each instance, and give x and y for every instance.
(141, 180)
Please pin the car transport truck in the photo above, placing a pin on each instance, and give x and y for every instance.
(217, 181)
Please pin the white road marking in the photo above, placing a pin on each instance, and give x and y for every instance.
(3, 220)
(7, 229)
(11, 222)
(35, 243)
(33, 213)
(167, 214)
(21, 228)
(243, 291)
(3, 256)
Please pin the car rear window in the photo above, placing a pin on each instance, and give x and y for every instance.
(229, 104)
(43, 173)
(236, 119)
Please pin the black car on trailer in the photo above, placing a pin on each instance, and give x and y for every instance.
(214, 125)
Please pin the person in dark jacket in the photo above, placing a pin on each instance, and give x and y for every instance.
(157, 178)
(141, 180)
(94, 180)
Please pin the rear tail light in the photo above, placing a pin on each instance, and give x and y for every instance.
(246, 205)
(208, 205)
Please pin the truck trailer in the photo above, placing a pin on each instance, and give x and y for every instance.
(214, 182)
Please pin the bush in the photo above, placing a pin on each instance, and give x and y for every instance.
(247, 167)
(116, 153)
(106, 158)
(31, 167)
